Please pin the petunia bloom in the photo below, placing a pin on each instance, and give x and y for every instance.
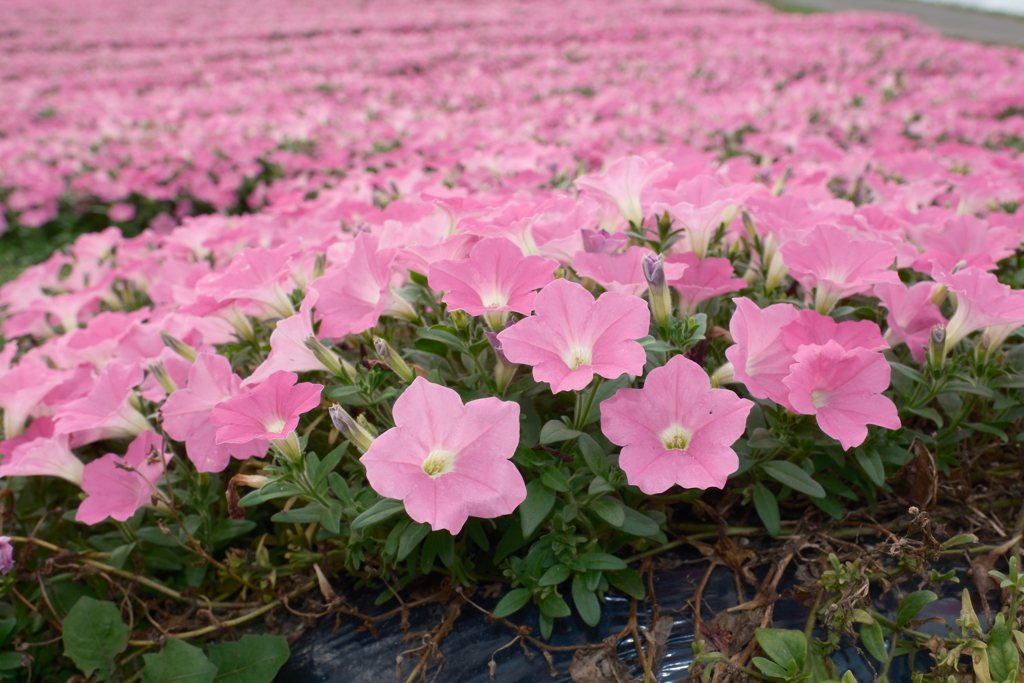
(186, 414)
(118, 492)
(837, 266)
(703, 279)
(981, 301)
(108, 410)
(6, 555)
(43, 455)
(495, 279)
(676, 430)
(572, 337)
(269, 411)
(447, 461)
(759, 357)
(912, 315)
(843, 389)
(623, 183)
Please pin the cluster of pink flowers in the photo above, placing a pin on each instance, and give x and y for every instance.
(191, 104)
(841, 185)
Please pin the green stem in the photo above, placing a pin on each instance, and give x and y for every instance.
(581, 417)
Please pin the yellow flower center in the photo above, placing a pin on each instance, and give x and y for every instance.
(439, 462)
(676, 437)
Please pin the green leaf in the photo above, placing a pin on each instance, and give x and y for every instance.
(538, 503)
(381, 511)
(10, 661)
(767, 509)
(340, 488)
(226, 529)
(252, 659)
(512, 602)
(874, 641)
(610, 511)
(411, 537)
(794, 477)
(770, 668)
(639, 524)
(911, 605)
(94, 635)
(554, 479)
(908, 372)
(602, 561)
(1003, 660)
(586, 602)
(556, 430)
(178, 662)
(7, 628)
(554, 575)
(627, 581)
(277, 489)
(330, 461)
(928, 413)
(303, 515)
(960, 540)
(872, 465)
(988, 429)
(554, 606)
(116, 560)
(593, 454)
(830, 505)
(783, 646)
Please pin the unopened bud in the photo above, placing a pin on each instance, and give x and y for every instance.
(319, 265)
(460, 319)
(159, 373)
(289, 446)
(780, 184)
(661, 298)
(939, 294)
(329, 359)
(725, 374)
(729, 215)
(350, 428)
(391, 357)
(937, 346)
(560, 272)
(179, 347)
(504, 370)
(748, 223)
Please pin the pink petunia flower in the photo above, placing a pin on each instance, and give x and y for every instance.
(186, 414)
(676, 430)
(759, 357)
(21, 390)
(6, 554)
(117, 492)
(269, 411)
(623, 183)
(42, 454)
(622, 272)
(109, 410)
(811, 327)
(981, 301)
(572, 337)
(447, 461)
(911, 315)
(495, 279)
(837, 266)
(843, 389)
(352, 298)
(703, 279)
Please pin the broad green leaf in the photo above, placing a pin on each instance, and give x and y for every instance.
(277, 489)
(960, 540)
(770, 668)
(627, 581)
(554, 575)
(303, 515)
(988, 429)
(794, 477)
(381, 511)
(602, 561)
(767, 509)
(783, 646)
(639, 524)
(928, 413)
(610, 511)
(586, 602)
(874, 641)
(226, 529)
(911, 605)
(556, 430)
(94, 635)
(1003, 659)
(908, 372)
(10, 661)
(554, 606)
(532, 511)
(116, 560)
(7, 627)
(178, 662)
(595, 457)
(554, 479)
(411, 537)
(872, 465)
(512, 602)
(251, 659)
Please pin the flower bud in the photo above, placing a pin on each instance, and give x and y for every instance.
(939, 295)
(460, 319)
(179, 347)
(319, 265)
(661, 297)
(334, 364)
(391, 357)
(725, 374)
(6, 555)
(748, 223)
(937, 347)
(351, 429)
(504, 370)
(159, 373)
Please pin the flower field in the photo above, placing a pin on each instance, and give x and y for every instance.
(412, 298)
